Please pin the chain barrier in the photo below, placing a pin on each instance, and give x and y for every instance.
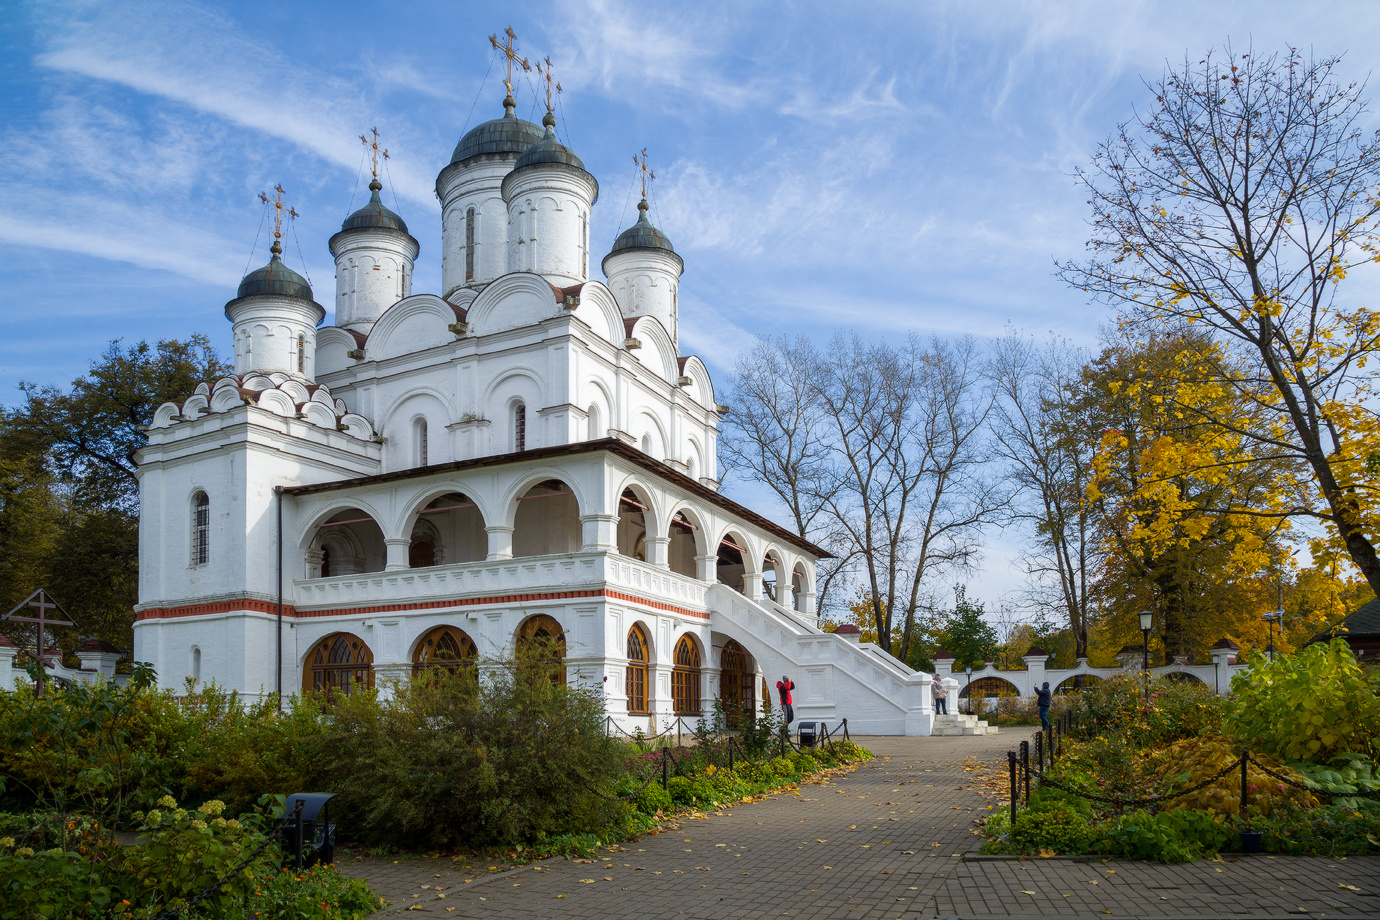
(1368, 793)
(174, 912)
(1044, 780)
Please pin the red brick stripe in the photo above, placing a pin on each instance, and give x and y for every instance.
(258, 606)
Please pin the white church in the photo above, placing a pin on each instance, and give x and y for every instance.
(439, 478)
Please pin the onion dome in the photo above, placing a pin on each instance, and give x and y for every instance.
(374, 216)
(275, 278)
(548, 151)
(509, 134)
(642, 235)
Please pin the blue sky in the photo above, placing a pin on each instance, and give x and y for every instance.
(881, 166)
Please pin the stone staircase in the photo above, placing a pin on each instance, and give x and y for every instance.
(961, 724)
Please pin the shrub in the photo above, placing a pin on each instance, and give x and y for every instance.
(1189, 762)
(287, 895)
(782, 767)
(681, 791)
(1119, 706)
(1140, 835)
(1330, 830)
(1313, 705)
(805, 764)
(654, 799)
(1056, 828)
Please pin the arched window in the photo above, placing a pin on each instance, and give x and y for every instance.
(340, 661)
(685, 678)
(419, 436)
(201, 529)
(637, 670)
(584, 245)
(596, 428)
(301, 353)
(196, 664)
(737, 683)
(519, 427)
(469, 245)
(647, 444)
(541, 648)
(444, 647)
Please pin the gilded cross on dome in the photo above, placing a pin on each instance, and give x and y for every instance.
(646, 173)
(546, 75)
(509, 49)
(278, 209)
(375, 149)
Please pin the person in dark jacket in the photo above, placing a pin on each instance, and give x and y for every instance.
(1042, 700)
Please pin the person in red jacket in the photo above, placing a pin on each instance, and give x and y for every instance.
(784, 686)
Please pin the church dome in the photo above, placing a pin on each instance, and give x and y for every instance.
(642, 235)
(508, 134)
(275, 278)
(548, 151)
(374, 216)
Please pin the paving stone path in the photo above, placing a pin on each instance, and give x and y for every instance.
(884, 842)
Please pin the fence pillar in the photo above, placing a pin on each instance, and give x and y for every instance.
(1011, 768)
(1025, 768)
(1040, 751)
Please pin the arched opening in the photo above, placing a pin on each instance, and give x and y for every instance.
(541, 649)
(341, 662)
(632, 526)
(349, 542)
(637, 670)
(449, 529)
(1183, 677)
(772, 577)
(444, 647)
(798, 588)
(547, 520)
(201, 529)
(684, 545)
(685, 677)
(731, 565)
(1077, 682)
(519, 427)
(737, 684)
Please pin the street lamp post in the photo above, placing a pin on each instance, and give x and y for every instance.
(967, 688)
(1270, 618)
(1146, 620)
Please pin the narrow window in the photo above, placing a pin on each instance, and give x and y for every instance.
(301, 353)
(685, 678)
(594, 426)
(422, 446)
(584, 245)
(469, 245)
(636, 677)
(519, 427)
(196, 665)
(201, 529)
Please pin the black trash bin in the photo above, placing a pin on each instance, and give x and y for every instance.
(309, 838)
(809, 735)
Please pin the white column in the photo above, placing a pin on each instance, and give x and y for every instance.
(397, 558)
(658, 550)
(500, 541)
(600, 533)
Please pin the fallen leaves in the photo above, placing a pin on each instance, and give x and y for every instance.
(1349, 887)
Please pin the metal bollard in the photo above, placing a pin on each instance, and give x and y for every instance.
(1245, 759)
(1040, 751)
(1011, 767)
(300, 843)
(1025, 768)
(730, 753)
(663, 768)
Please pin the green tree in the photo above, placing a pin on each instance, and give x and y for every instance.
(966, 633)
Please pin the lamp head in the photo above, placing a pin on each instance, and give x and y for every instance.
(968, 669)
(1147, 619)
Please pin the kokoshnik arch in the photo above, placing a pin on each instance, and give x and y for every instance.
(437, 478)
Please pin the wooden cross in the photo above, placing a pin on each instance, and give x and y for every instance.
(375, 149)
(646, 173)
(509, 50)
(40, 600)
(546, 75)
(278, 209)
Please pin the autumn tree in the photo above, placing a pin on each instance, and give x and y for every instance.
(1239, 204)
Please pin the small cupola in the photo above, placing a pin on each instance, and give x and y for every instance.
(643, 271)
(549, 195)
(374, 256)
(274, 315)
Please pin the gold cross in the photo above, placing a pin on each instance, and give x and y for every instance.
(509, 50)
(278, 209)
(646, 173)
(376, 149)
(546, 75)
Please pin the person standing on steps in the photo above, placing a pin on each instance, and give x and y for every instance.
(941, 698)
(1042, 699)
(784, 686)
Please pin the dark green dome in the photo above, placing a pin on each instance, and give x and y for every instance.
(642, 235)
(509, 134)
(275, 278)
(374, 216)
(548, 151)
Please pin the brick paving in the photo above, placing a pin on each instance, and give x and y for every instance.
(886, 841)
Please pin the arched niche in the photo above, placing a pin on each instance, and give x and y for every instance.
(347, 542)
(454, 527)
(547, 520)
(687, 676)
(687, 542)
(636, 679)
(340, 663)
(540, 648)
